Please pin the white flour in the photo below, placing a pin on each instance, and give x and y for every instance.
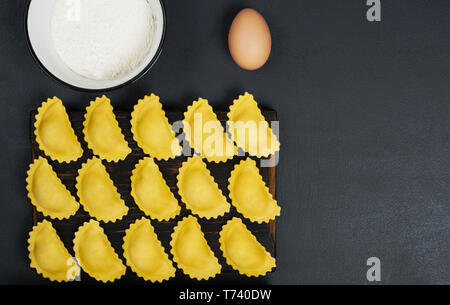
(102, 39)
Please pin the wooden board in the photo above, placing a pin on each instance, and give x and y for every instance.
(120, 173)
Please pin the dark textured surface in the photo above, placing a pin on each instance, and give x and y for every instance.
(120, 173)
(364, 111)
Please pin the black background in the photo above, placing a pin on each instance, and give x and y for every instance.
(364, 127)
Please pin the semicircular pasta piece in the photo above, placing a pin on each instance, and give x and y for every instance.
(191, 252)
(102, 132)
(249, 129)
(145, 254)
(250, 195)
(210, 141)
(95, 253)
(49, 256)
(199, 191)
(54, 133)
(242, 250)
(152, 131)
(97, 193)
(151, 193)
(47, 193)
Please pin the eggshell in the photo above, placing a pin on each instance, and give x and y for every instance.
(249, 39)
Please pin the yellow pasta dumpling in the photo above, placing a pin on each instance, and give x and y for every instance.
(249, 129)
(95, 254)
(49, 256)
(145, 254)
(152, 131)
(102, 132)
(47, 193)
(97, 193)
(151, 193)
(242, 251)
(54, 134)
(205, 133)
(191, 251)
(199, 191)
(250, 195)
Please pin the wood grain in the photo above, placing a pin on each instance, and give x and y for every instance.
(120, 173)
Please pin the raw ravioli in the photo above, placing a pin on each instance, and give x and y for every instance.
(152, 131)
(242, 251)
(205, 133)
(54, 134)
(49, 256)
(199, 191)
(245, 115)
(97, 192)
(47, 193)
(95, 253)
(250, 195)
(191, 251)
(102, 132)
(151, 193)
(145, 254)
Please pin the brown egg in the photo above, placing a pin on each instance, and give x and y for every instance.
(249, 39)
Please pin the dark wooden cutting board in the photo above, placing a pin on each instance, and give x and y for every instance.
(120, 173)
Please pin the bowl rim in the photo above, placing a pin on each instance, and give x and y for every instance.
(130, 81)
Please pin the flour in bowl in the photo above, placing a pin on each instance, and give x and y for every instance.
(102, 39)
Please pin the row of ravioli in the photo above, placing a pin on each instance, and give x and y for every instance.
(152, 131)
(144, 253)
(196, 186)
